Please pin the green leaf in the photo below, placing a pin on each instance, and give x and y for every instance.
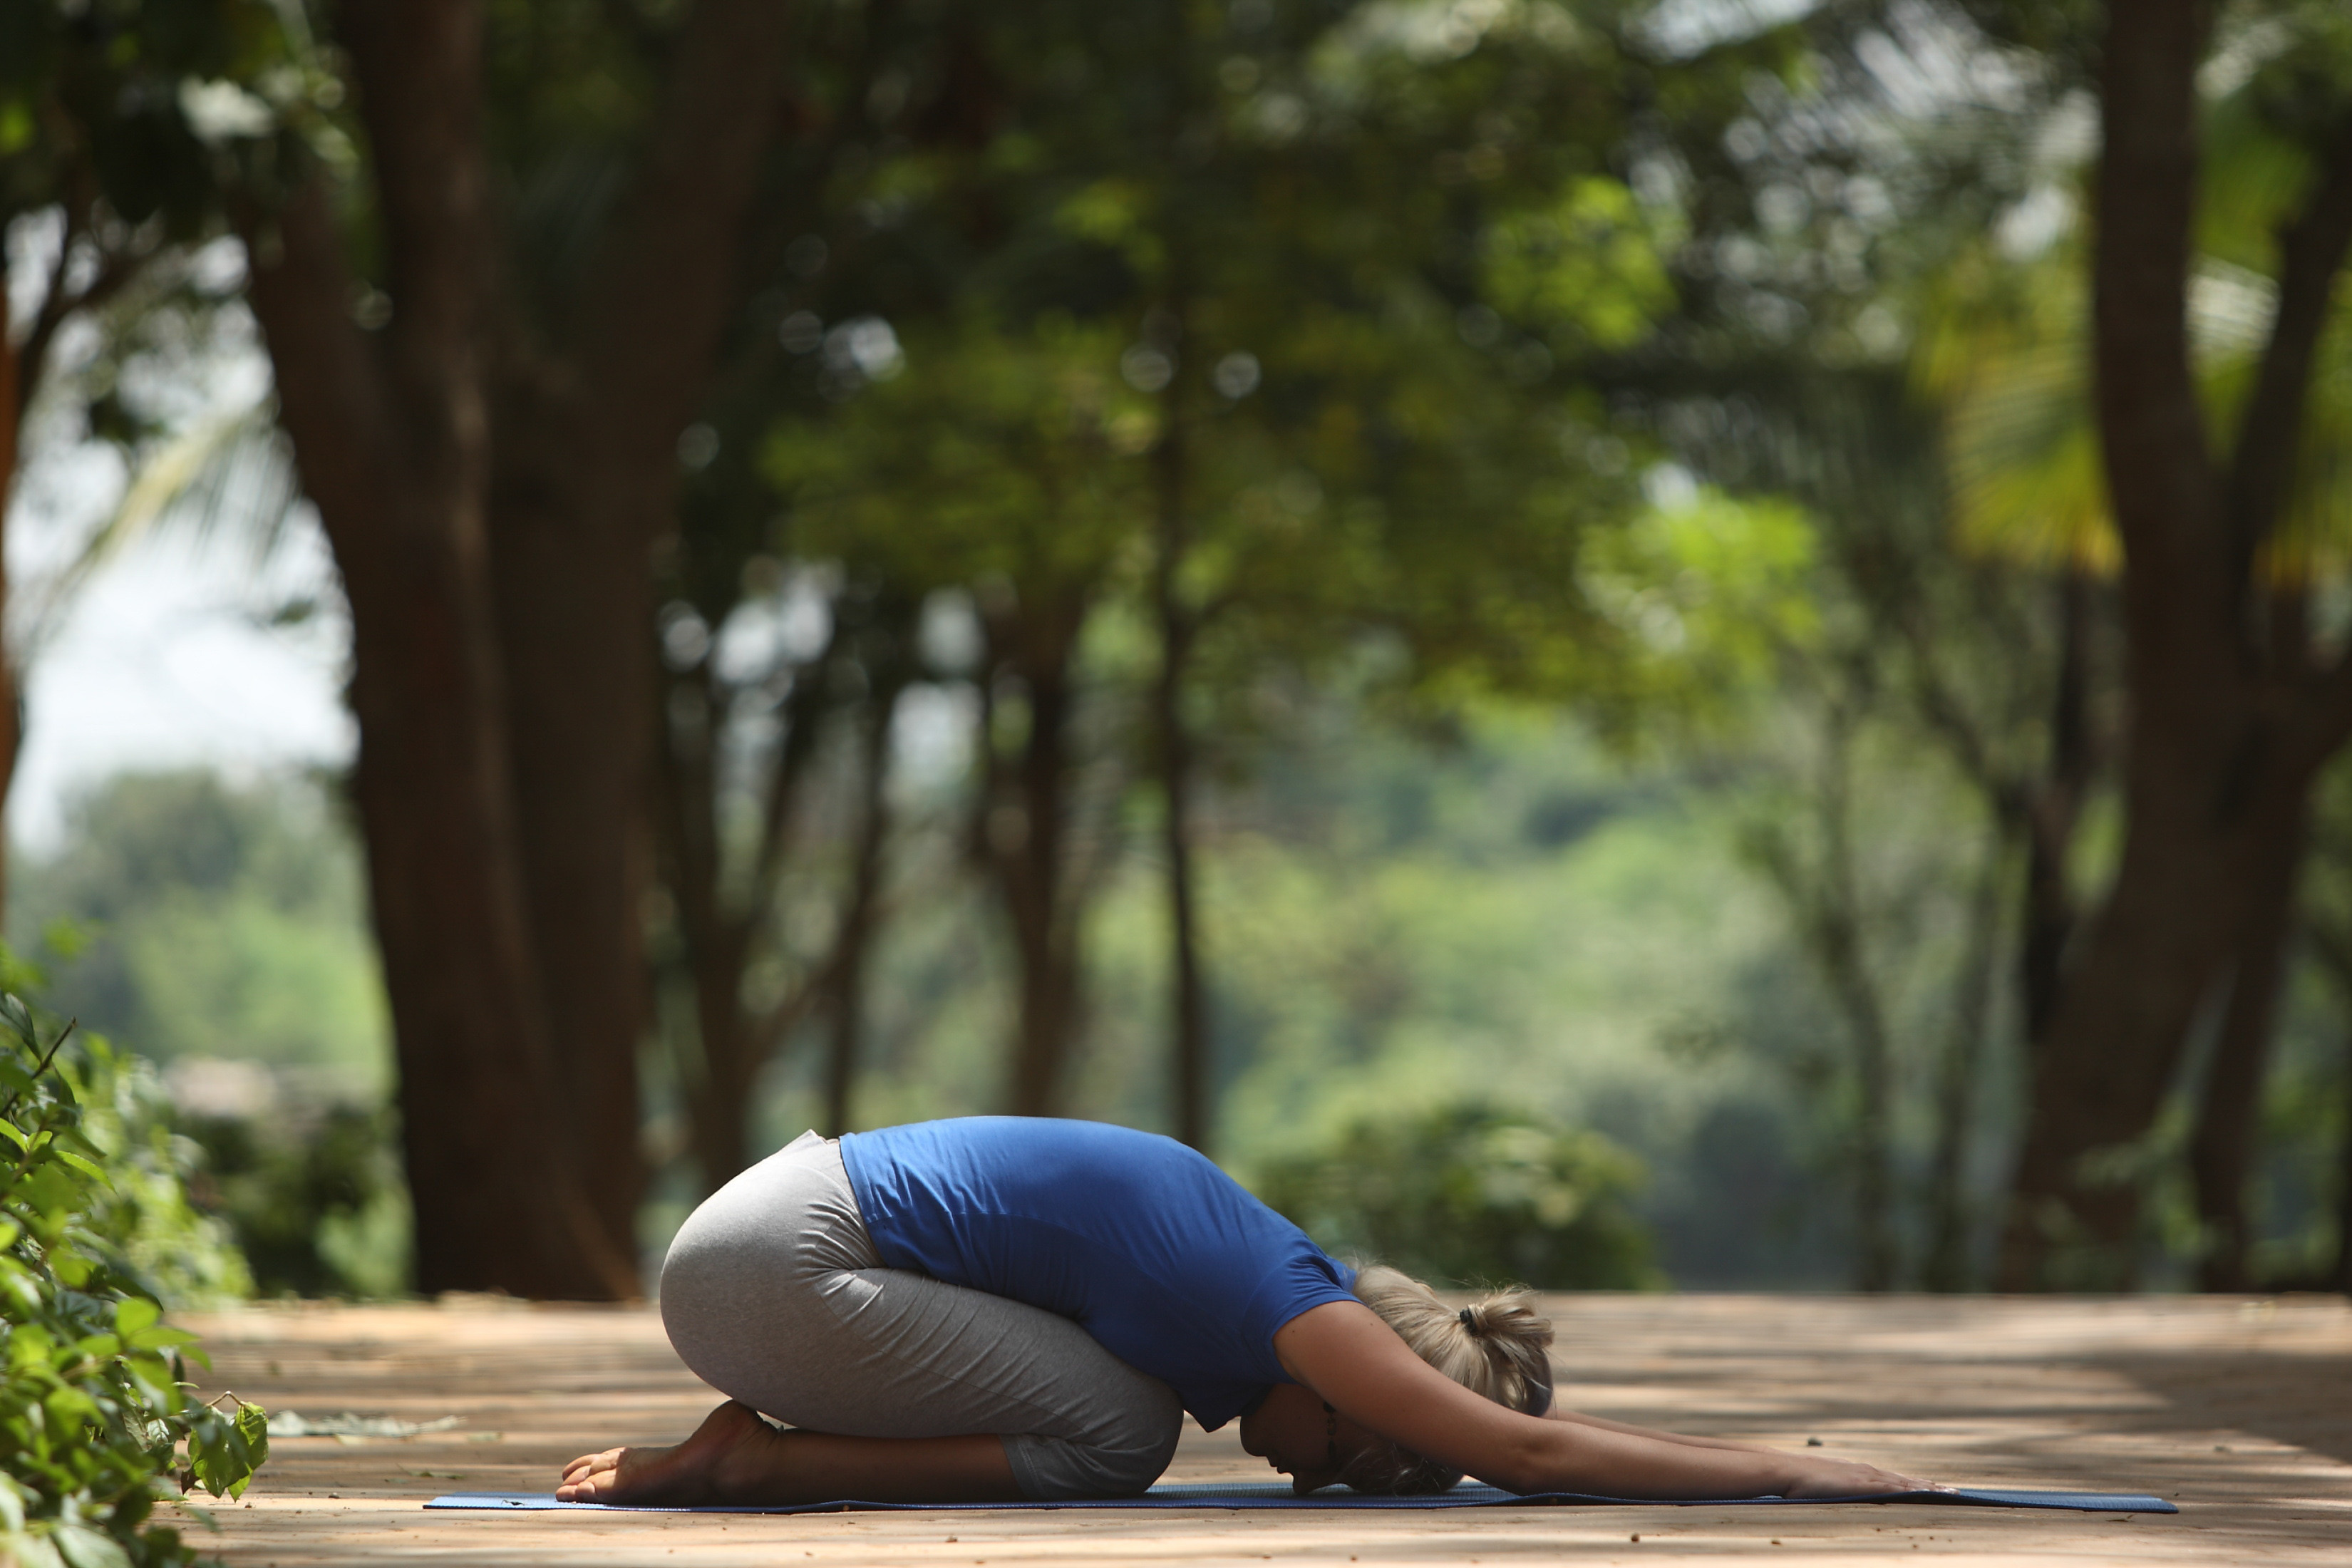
(134, 1313)
(79, 1163)
(83, 1547)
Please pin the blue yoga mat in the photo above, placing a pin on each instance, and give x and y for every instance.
(1469, 1494)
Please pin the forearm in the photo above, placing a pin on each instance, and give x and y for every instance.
(1605, 1424)
(1606, 1459)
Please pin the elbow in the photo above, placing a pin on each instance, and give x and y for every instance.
(1527, 1465)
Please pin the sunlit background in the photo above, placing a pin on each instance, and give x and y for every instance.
(1637, 554)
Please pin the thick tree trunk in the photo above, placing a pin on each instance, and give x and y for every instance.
(499, 598)
(2229, 721)
(2170, 923)
(573, 614)
(390, 442)
(585, 482)
(2221, 1147)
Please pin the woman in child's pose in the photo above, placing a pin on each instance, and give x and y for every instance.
(1002, 1307)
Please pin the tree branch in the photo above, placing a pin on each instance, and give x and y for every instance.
(32, 355)
(2270, 433)
(804, 709)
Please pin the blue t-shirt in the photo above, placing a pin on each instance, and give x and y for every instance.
(1147, 1245)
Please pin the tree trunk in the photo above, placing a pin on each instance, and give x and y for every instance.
(1839, 941)
(585, 482)
(714, 1076)
(572, 618)
(1824, 897)
(1190, 1058)
(492, 522)
(2220, 1149)
(2229, 721)
(1025, 839)
(14, 393)
(2342, 1280)
(2333, 945)
(1947, 1266)
(853, 946)
(2050, 814)
(389, 440)
(730, 1045)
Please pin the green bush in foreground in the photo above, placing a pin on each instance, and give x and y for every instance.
(94, 1412)
(1466, 1194)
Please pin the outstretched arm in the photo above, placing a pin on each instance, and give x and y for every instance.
(1603, 1422)
(1357, 1362)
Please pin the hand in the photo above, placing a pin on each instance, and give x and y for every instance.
(1851, 1477)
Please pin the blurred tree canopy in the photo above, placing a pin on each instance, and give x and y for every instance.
(123, 130)
(798, 473)
(203, 919)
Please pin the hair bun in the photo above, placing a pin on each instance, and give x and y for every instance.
(1468, 1318)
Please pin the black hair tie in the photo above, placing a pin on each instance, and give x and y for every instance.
(1468, 1319)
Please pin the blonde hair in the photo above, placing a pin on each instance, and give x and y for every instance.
(1498, 1347)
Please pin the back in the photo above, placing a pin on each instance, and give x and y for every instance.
(1155, 1252)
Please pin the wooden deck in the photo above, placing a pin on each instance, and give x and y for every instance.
(2240, 1410)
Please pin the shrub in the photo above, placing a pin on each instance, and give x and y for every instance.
(182, 1256)
(94, 1409)
(313, 1195)
(1472, 1195)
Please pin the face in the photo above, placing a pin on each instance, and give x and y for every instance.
(1293, 1431)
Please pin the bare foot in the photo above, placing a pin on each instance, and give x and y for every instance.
(726, 1447)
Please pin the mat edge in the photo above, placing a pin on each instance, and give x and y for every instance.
(1966, 1497)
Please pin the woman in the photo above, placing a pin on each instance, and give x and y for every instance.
(1000, 1307)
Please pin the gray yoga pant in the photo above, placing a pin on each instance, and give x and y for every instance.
(775, 1295)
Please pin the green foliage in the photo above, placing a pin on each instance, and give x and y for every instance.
(182, 1254)
(94, 1410)
(212, 919)
(142, 100)
(224, 922)
(1000, 456)
(315, 1198)
(1470, 1195)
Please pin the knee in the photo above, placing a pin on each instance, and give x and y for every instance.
(1123, 1457)
(711, 1283)
(1134, 1467)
